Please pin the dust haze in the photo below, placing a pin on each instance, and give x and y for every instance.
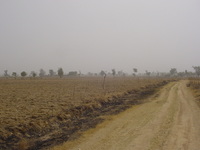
(92, 35)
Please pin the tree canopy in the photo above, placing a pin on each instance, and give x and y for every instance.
(60, 72)
(23, 73)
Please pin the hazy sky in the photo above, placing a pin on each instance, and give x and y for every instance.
(95, 35)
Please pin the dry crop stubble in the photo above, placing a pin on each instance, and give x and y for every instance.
(30, 108)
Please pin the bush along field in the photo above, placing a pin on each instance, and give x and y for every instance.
(38, 113)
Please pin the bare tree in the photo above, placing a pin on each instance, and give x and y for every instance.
(197, 70)
(135, 71)
(102, 73)
(14, 74)
(6, 73)
(186, 73)
(173, 71)
(113, 72)
(148, 73)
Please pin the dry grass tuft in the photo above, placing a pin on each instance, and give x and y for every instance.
(23, 144)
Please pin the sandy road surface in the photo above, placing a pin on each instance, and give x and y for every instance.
(169, 121)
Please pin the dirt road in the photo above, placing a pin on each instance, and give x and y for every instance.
(168, 121)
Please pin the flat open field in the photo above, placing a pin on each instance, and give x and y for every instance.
(33, 109)
(169, 121)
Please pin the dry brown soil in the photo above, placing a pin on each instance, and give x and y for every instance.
(40, 113)
(168, 121)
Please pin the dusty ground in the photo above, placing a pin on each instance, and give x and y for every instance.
(38, 113)
(168, 121)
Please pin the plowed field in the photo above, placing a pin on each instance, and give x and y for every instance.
(36, 113)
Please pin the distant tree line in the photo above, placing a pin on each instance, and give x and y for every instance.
(33, 74)
(60, 73)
